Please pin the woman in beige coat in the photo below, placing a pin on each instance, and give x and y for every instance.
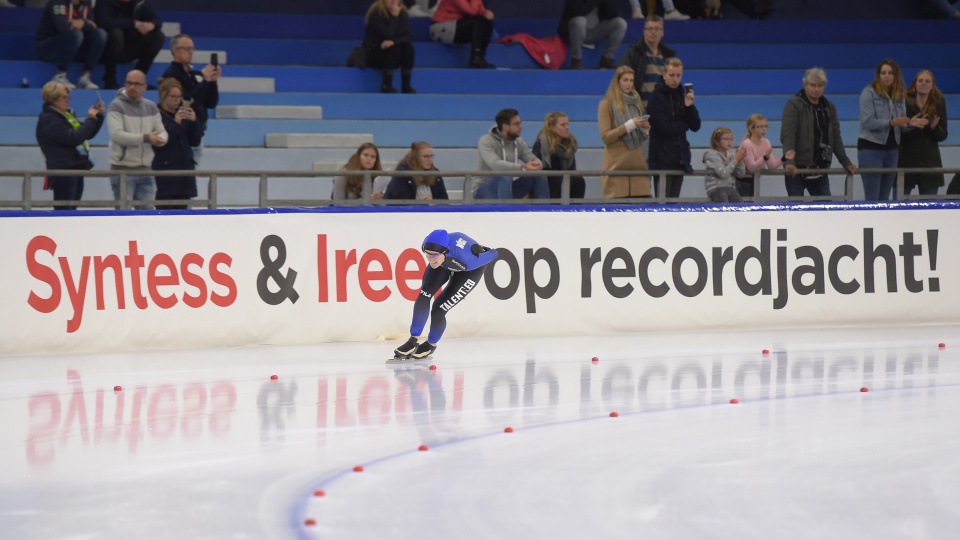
(623, 128)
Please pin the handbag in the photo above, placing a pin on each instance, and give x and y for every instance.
(357, 58)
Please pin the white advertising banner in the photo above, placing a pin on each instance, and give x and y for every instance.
(124, 281)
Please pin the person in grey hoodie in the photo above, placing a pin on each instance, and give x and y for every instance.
(502, 149)
(134, 124)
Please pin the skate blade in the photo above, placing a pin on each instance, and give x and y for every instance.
(407, 360)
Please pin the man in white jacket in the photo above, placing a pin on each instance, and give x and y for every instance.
(135, 128)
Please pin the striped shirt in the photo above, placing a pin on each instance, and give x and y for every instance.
(655, 70)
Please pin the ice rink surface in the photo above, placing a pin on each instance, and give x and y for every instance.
(205, 444)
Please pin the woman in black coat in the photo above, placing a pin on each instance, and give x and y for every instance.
(425, 187)
(184, 131)
(63, 141)
(388, 43)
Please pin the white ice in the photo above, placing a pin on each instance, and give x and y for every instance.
(203, 444)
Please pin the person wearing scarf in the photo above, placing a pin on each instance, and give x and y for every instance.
(556, 148)
(623, 127)
(63, 139)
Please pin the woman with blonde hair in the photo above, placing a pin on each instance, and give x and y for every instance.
(421, 187)
(758, 154)
(366, 158)
(623, 128)
(883, 118)
(921, 147)
(64, 141)
(388, 43)
(556, 148)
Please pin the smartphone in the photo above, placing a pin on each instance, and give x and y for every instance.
(644, 116)
(215, 59)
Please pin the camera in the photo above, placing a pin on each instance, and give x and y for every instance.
(825, 157)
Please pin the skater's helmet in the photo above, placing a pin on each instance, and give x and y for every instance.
(436, 241)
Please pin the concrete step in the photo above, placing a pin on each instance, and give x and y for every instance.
(327, 166)
(171, 29)
(200, 58)
(259, 85)
(316, 140)
(273, 112)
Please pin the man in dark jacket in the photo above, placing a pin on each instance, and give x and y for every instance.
(810, 127)
(647, 57)
(591, 21)
(133, 33)
(672, 114)
(199, 87)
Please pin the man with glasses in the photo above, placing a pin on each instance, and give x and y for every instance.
(647, 56)
(199, 87)
(135, 128)
(133, 33)
(502, 150)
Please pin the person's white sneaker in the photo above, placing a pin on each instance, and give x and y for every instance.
(85, 83)
(637, 13)
(62, 79)
(675, 15)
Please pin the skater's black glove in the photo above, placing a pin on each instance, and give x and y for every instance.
(477, 249)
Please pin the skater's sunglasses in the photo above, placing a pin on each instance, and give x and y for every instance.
(432, 254)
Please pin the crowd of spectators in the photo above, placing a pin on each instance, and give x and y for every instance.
(643, 118)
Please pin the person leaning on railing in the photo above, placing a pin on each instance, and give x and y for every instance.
(556, 148)
(423, 187)
(350, 186)
(810, 128)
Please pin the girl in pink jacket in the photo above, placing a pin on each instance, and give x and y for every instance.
(759, 154)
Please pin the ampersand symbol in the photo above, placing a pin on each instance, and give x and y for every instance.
(271, 271)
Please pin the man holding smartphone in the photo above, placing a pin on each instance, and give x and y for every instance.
(199, 86)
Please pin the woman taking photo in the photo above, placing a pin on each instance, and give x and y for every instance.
(556, 148)
(63, 141)
(184, 133)
(623, 127)
(388, 43)
(366, 158)
(882, 120)
(921, 147)
(421, 187)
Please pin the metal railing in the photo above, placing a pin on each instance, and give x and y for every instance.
(471, 180)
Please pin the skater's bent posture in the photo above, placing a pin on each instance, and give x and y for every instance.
(457, 260)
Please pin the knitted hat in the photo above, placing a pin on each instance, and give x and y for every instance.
(436, 241)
